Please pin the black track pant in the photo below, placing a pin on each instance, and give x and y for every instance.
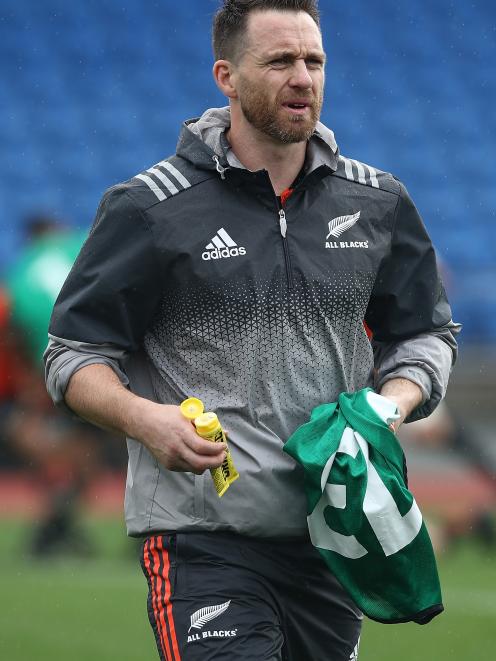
(226, 597)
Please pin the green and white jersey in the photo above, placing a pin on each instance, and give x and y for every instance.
(361, 516)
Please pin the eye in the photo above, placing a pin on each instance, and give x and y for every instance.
(314, 63)
(279, 62)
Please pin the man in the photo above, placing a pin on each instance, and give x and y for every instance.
(241, 271)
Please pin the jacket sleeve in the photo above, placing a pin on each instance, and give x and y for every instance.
(109, 297)
(409, 314)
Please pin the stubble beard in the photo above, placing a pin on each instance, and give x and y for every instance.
(264, 115)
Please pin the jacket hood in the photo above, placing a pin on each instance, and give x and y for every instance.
(204, 138)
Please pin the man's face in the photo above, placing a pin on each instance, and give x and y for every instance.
(280, 75)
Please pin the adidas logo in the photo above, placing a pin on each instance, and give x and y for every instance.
(222, 246)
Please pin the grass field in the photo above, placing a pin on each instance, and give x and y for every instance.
(95, 609)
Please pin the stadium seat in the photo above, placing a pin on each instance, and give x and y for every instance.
(97, 91)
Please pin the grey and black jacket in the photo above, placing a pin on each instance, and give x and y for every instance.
(194, 282)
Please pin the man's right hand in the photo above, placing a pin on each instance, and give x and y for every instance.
(172, 439)
(95, 393)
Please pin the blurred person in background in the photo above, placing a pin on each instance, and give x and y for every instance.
(455, 451)
(60, 452)
(450, 448)
(241, 270)
(11, 369)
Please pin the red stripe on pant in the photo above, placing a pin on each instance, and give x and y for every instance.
(153, 572)
(161, 598)
(167, 600)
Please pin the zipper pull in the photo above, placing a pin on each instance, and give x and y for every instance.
(283, 223)
(219, 167)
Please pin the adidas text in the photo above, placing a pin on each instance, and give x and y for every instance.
(222, 253)
(347, 244)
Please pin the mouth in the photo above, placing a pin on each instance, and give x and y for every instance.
(297, 107)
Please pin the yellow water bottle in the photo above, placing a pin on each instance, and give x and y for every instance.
(208, 427)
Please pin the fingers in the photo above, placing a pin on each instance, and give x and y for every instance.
(198, 464)
(197, 454)
(198, 444)
(174, 442)
(201, 446)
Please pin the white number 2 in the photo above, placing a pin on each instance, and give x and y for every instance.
(392, 530)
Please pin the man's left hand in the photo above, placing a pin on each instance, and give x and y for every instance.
(405, 394)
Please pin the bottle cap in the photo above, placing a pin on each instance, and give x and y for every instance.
(207, 422)
(192, 407)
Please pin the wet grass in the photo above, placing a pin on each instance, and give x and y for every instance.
(96, 608)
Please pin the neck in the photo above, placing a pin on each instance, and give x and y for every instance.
(256, 151)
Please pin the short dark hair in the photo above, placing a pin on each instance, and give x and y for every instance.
(230, 21)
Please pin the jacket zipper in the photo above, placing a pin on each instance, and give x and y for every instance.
(283, 227)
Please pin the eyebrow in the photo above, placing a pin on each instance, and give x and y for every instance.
(289, 55)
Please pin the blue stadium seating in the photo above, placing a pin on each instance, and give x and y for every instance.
(92, 92)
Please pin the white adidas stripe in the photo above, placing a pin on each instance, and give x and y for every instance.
(176, 174)
(347, 168)
(373, 177)
(221, 240)
(363, 172)
(165, 180)
(152, 186)
(360, 170)
(226, 238)
(170, 186)
(218, 243)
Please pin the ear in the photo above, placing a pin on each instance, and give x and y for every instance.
(225, 78)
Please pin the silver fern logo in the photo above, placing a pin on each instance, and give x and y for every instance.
(338, 226)
(204, 615)
(341, 224)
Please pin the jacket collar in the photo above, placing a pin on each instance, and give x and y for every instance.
(203, 142)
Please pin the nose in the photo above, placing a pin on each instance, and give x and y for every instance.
(300, 76)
